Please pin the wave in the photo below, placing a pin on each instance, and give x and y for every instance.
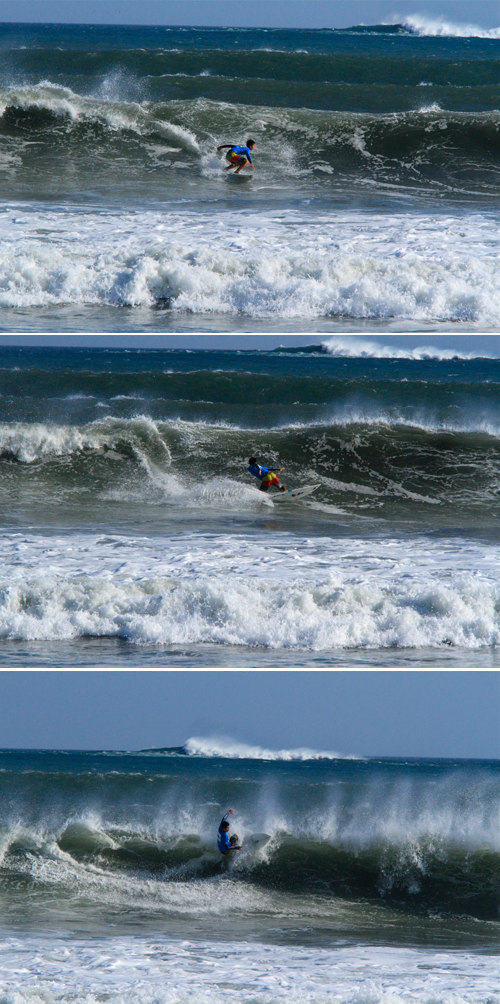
(422, 24)
(48, 103)
(368, 462)
(228, 748)
(158, 147)
(362, 348)
(349, 830)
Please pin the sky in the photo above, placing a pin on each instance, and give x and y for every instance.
(488, 344)
(259, 13)
(370, 713)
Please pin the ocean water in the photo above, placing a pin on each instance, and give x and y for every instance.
(132, 533)
(374, 200)
(380, 883)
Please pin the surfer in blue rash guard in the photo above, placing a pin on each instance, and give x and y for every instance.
(225, 843)
(267, 475)
(238, 156)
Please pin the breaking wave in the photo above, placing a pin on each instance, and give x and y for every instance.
(142, 839)
(306, 596)
(218, 747)
(422, 24)
(362, 348)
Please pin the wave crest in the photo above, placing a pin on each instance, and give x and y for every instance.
(357, 347)
(421, 24)
(229, 748)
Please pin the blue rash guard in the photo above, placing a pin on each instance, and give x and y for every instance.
(258, 471)
(242, 151)
(223, 837)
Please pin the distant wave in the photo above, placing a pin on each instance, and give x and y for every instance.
(219, 747)
(355, 347)
(421, 24)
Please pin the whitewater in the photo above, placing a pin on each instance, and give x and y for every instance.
(261, 265)
(294, 594)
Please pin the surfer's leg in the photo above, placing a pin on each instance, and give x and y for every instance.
(242, 163)
(267, 480)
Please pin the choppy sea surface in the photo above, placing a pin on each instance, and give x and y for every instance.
(380, 882)
(374, 200)
(132, 533)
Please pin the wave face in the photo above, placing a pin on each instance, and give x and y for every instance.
(107, 832)
(388, 438)
(59, 142)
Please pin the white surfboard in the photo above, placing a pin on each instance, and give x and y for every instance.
(239, 177)
(255, 840)
(293, 494)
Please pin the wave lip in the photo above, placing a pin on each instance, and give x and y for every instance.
(361, 348)
(232, 749)
(421, 24)
(64, 104)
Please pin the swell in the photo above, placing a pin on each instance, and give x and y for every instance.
(131, 71)
(258, 400)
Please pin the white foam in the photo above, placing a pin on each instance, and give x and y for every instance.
(229, 748)
(357, 347)
(416, 267)
(317, 594)
(143, 970)
(422, 24)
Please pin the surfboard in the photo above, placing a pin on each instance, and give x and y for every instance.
(239, 177)
(257, 840)
(292, 494)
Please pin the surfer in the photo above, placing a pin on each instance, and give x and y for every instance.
(225, 843)
(267, 475)
(238, 156)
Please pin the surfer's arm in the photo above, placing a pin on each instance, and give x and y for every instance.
(225, 146)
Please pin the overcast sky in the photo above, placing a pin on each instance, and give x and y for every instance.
(263, 13)
(415, 713)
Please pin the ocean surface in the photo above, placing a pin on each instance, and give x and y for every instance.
(380, 883)
(132, 533)
(374, 201)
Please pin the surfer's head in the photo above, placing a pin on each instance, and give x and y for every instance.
(250, 144)
(234, 839)
(224, 826)
(252, 460)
